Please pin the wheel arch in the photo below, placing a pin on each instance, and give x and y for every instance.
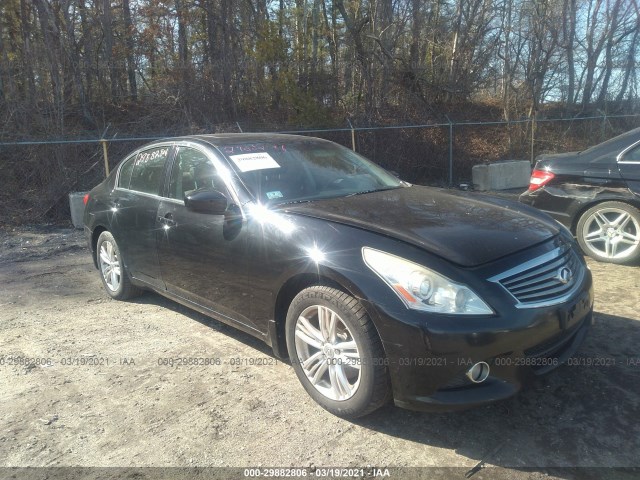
(95, 234)
(586, 206)
(294, 285)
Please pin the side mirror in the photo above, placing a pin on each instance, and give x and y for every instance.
(206, 200)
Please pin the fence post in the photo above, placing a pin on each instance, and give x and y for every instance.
(105, 155)
(353, 135)
(450, 150)
(604, 128)
(533, 138)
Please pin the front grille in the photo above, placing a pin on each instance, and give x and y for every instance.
(547, 279)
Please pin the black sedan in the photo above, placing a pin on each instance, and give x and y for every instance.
(596, 194)
(373, 288)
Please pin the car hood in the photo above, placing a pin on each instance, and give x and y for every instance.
(467, 229)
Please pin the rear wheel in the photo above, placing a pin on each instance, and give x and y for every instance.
(336, 352)
(610, 232)
(113, 273)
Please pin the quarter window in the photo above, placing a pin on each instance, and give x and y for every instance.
(124, 177)
(192, 170)
(148, 170)
(632, 155)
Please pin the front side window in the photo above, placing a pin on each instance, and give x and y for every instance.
(192, 170)
(148, 170)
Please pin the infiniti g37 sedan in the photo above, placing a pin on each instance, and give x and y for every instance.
(596, 194)
(374, 289)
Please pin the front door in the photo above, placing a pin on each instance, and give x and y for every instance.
(202, 256)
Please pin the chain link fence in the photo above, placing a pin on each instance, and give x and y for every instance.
(37, 176)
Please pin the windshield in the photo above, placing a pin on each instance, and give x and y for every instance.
(304, 170)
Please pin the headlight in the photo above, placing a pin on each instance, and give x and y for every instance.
(423, 289)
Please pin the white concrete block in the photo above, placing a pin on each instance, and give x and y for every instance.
(501, 175)
(76, 204)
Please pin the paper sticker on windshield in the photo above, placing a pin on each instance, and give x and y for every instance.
(276, 194)
(248, 162)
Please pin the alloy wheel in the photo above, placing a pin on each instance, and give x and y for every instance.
(110, 265)
(611, 233)
(327, 352)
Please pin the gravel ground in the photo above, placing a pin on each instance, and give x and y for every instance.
(104, 398)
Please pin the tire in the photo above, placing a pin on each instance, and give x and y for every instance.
(350, 382)
(114, 275)
(610, 232)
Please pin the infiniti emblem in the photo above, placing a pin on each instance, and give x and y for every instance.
(564, 275)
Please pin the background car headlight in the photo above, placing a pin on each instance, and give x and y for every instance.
(421, 288)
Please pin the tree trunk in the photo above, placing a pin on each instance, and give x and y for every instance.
(333, 49)
(27, 55)
(73, 54)
(130, 44)
(48, 34)
(630, 64)
(107, 29)
(354, 32)
(416, 27)
(594, 48)
(608, 53)
(87, 49)
(569, 29)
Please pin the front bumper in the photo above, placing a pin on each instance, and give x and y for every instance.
(428, 360)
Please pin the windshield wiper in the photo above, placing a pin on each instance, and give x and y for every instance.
(291, 202)
(371, 191)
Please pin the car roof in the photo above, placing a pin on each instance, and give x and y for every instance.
(615, 144)
(222, 139)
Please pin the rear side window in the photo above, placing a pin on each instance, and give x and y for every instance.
(632, 155)
(148, 170)
(124, 177)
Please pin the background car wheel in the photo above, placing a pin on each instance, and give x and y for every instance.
(336, 352)
(114, 276)
(610, 232)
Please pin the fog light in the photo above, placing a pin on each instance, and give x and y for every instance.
(479, 372)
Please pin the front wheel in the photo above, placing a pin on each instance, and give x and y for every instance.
(115, 277)
(610, 232)
(336, 352)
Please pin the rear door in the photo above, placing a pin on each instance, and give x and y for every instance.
(134, 211)
(629, 165)
(202, 256)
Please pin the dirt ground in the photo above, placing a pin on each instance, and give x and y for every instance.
(101, 395)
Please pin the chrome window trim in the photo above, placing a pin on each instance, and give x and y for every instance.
(144, 194)
(624, 152)
(121, 165)
(135, 154)
(212, 157)
(217, 163)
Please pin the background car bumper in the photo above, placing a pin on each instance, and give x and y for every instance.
(560, 207)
